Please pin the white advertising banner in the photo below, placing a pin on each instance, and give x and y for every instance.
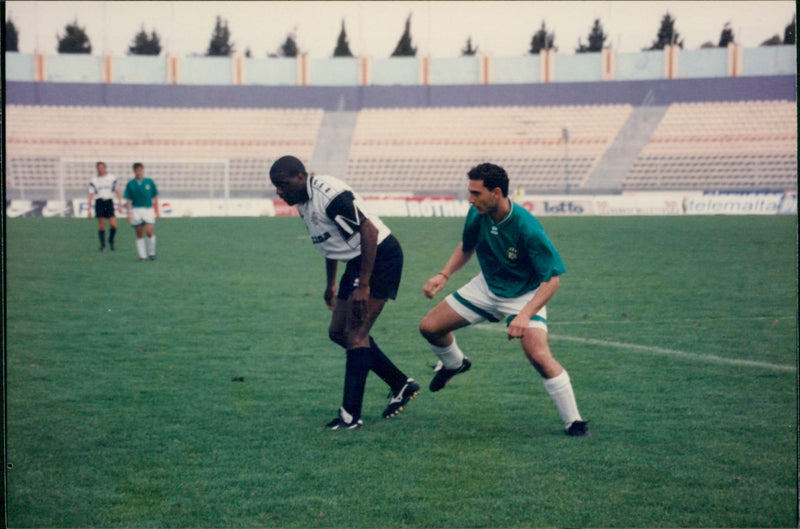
(717, 203)
(199, 207)
(625, 204)
(234, 207)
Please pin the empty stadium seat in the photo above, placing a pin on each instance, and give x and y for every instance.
(50, 144)
(431, 149)
(720, 146)
(742, 145)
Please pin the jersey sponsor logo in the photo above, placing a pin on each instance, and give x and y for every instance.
(494, 231)
(317, 239)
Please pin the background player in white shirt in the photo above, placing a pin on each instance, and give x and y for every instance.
(104, 187)
(341, 230)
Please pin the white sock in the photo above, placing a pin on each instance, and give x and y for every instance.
(560, 390)
(344, 415)
(451, 356)
(141, 249)
(151, 245)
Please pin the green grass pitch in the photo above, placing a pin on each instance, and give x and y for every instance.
(680, 336)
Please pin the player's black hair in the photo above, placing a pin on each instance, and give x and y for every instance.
(287, 166)
(137, 164)
(493, 176)
(98, 164)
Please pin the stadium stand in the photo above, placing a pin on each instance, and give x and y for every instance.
(187, 149)
(720, 146)
(429, 150)
(709, 145)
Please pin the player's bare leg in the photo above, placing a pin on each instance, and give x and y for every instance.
(357, 325)
(437, 327)
(556, 380)
(349, 331)
(537, 350)
(439, 323)
(336, 326)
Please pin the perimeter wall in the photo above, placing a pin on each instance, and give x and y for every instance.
(694, 79)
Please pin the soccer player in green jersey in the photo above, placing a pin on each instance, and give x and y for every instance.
(520, 272)
(141, 205)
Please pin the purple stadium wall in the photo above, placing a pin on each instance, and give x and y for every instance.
(637, 93)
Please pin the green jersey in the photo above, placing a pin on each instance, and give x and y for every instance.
(515, 254)
(141, 192)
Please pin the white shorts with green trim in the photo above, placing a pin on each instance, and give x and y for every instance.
(476, 303)
(141, 216)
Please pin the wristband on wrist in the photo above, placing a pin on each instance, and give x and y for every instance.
(443, 274)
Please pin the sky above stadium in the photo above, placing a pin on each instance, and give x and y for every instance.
(438, 29)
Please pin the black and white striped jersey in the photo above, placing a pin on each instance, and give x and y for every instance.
(103, 187)
(333, 214)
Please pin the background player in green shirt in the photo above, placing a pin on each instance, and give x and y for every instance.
(520, 272)
(141, 204)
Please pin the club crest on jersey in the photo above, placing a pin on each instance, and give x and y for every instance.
(512, 254)
(314, 217)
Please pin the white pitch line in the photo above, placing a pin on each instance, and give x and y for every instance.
(674, 352)
(685, 320)
(659, 350)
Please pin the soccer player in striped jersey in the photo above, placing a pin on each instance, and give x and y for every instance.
(103, 186)
(342, 230)
(520, 272)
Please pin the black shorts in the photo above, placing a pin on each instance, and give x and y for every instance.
(104, 208)
(386, 272)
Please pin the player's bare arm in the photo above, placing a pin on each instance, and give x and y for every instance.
(456, 262)
(128, 209)
(155, 207)
(331, 265)
(91, 196)
(519, 324)
(369, 248)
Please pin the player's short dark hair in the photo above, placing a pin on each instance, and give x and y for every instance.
(138, 164)
(98, 164)
(493, 176)
(287, 166)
